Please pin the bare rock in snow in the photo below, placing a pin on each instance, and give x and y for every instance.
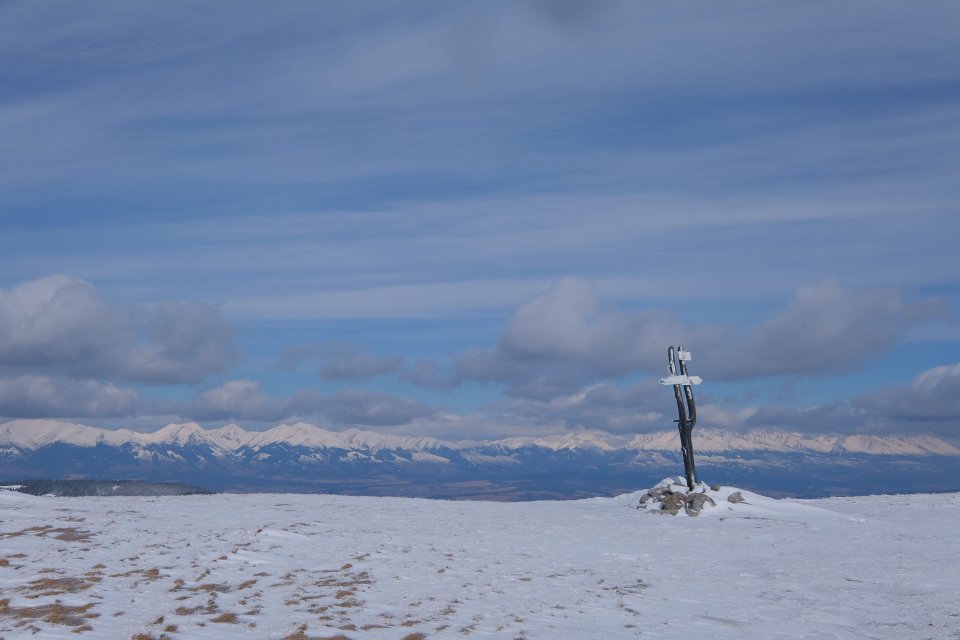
(696, 502)
(671, 495)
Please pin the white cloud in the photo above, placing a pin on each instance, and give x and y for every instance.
(566, 337)
(34, 396)
(59, 325)
(824, 329)
(365, 407)
(931, 402)
(239, 400)
(639, 407)
(245, 400)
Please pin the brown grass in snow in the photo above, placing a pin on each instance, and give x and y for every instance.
(55, 613)
(226, 617)
(67, 534)
(301, 634)
(54, 586)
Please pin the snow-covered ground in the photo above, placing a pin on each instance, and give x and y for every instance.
(315, 566)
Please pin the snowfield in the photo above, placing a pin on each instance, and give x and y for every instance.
(317, 566)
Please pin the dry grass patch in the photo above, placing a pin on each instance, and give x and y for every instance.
(414, 636)
(126, 574)
(187, 611)
(226, 617)
(301, 634)
(68, 534)
(58, 586)
(55, 613)
(212, 587)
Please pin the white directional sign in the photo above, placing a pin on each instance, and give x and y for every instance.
(682, 380)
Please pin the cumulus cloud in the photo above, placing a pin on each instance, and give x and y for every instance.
(245, 400)
(824, 329)
(61, 326)
(635, 408)
(34, 396)
(931, 402)
(566, 338)
(372, 408)
(832, 417)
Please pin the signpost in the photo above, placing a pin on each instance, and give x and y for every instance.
(686, 406)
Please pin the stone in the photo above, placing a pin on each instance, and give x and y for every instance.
(735, 497)
(696, 502)
(715, 487)
(674, 501)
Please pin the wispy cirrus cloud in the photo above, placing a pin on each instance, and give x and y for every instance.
(339, 361)
(418, 179)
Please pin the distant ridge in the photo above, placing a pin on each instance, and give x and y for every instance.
(30, 435)
(578, 464)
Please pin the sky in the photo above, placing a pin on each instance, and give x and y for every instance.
(481, 220)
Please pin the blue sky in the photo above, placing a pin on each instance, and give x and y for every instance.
(478, 220)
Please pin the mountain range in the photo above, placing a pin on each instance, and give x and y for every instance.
(305, 457)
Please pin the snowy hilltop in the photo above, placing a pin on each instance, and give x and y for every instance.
(315, 566)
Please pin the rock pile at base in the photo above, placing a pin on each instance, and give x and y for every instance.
(671, 496)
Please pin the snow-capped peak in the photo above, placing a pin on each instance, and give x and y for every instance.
(180, 434)
(230, 437)
(570, 440)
